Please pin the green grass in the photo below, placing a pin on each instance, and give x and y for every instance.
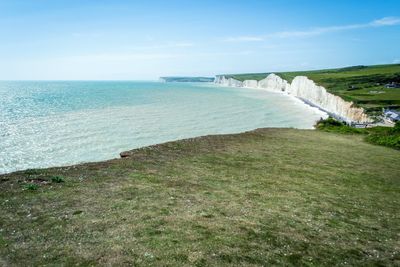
(248, 76)
(384, 136)
(31, 186)
(364, 85)
(267, 197)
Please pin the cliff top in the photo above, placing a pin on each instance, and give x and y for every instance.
(366, 86)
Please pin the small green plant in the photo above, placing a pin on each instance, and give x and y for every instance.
(57, 179)
(332, 125)
(329, 122)
(396, 128)
(31, 187)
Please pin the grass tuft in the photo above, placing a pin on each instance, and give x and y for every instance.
(31, 187)
(57, 179)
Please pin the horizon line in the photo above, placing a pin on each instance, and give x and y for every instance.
(181, 76)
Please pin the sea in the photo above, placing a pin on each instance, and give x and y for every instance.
(58, 123)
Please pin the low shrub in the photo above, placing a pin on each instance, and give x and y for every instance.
(396, 128)
(384, 136)
(57, 179)
(388, 140)
(332, 125)
(329, 122)
(390, 137)
(31, 187)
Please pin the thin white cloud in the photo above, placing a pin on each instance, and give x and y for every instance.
(386, 21)
(317, 31)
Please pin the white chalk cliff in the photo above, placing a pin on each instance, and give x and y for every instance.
(308, 91)
(228, 81)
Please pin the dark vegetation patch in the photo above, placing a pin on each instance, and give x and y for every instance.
(57, 179)
(385, 136)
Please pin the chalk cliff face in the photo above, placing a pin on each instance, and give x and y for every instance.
(274, 82)
(228, 81)
(307, 90)
(250, 83)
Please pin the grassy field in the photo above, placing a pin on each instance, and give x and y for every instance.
(271, 196)
(364, 85)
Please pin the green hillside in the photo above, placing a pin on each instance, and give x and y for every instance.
(247, 76)
(266, 197)
(364, 85)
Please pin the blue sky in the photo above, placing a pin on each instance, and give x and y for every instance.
(128, 40)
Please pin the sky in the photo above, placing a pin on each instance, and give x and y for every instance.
(143, 40)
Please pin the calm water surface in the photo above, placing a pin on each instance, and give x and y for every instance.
(45, 124)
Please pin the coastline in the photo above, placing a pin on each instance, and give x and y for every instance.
(307, 90)
(199, 133)
(128, 153)
(294, 98)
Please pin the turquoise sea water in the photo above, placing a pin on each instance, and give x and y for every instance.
(45, 124)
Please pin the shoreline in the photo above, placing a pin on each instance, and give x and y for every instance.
(127, 153)
(307, 89)
(13, 162)
(295, 98)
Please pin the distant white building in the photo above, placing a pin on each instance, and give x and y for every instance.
(391, 115)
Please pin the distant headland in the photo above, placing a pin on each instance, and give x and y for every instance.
(187, 79)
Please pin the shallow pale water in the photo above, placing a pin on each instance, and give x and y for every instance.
(45, 124)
